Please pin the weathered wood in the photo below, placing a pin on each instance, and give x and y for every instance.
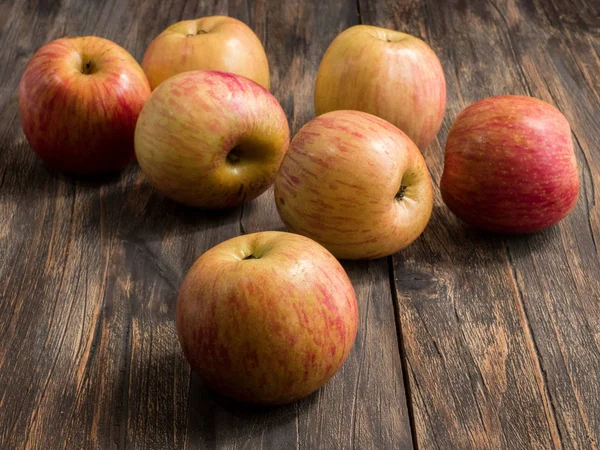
(558, 272)
(501, 334)
(90, 271)
(367, 395)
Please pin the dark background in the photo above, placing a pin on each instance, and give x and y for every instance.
(466, 339)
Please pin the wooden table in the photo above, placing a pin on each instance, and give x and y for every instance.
(466, 340)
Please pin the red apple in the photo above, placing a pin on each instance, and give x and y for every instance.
(387, 73)
(79, 101)
(356, 184)
(267, 317)
(211, 139)
(211, 43)
(510, 165)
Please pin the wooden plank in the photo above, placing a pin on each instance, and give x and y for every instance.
(475, 309)
(90, 271)
(54, 259)
(557, 272)
(364, 405)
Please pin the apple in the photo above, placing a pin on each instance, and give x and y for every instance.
(211, 139)
(210, 43)
(79, 100)
(356, 184)
(387, 73)
(266, 318)
(509, 165)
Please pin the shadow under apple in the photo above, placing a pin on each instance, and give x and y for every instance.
(214, 419)
(182, 409)
(127, 197)
(448, 237)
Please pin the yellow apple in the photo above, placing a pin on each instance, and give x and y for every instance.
(211, 43)
(387, 73)
(211, 139)
(356, 184)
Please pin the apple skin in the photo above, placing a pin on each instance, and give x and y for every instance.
(211, 43)
(80, 119)
(211, 139)
(339, 181)
(510, 166)
(387, 73)
(271, 329)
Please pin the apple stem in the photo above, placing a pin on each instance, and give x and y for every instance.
(400, 193)
(233, 157)
(88, 67)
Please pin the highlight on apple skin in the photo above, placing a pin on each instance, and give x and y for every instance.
(79, 100)
(390, 74)
(210, 43)
(510, 166)
(356, 184)
(266, 318)
(211, 139)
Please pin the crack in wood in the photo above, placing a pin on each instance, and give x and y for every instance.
(403, 359)
(535, 355)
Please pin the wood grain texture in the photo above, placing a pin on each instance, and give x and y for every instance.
(367, 396)
(501, 334)
(498, 337)
(557, 273)
(89, 271)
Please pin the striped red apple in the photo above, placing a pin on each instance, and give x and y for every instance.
(509, 165)
(267, 317)
(356, 184)
(79, 100)
(387, 73)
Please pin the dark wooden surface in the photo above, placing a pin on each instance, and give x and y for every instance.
(466, 339)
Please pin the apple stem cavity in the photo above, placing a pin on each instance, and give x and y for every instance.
(400, 193)
(233, 156)
(87, 69)
(250, 256)
(197, 33)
